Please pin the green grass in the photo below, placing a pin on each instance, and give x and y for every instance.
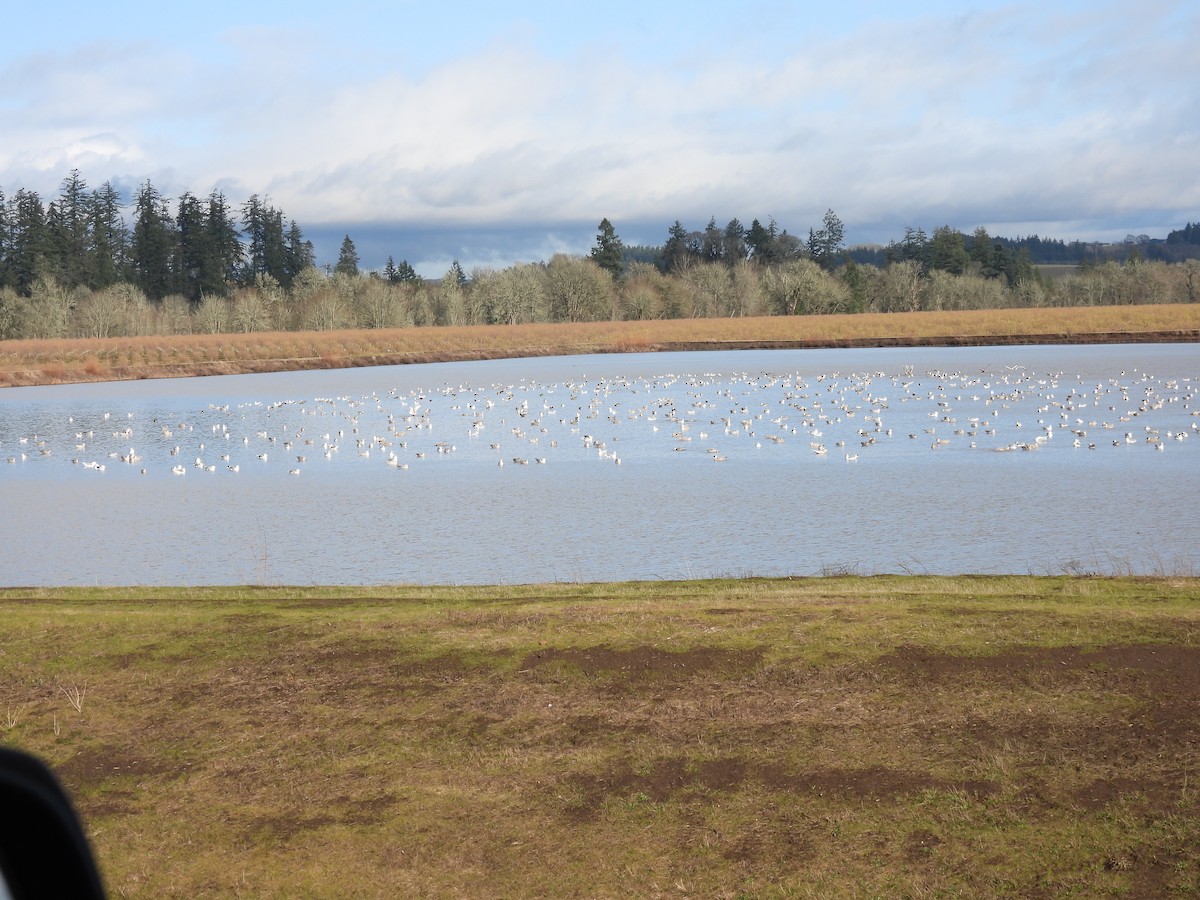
(861, 737)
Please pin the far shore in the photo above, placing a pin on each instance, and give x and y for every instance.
(78, 360)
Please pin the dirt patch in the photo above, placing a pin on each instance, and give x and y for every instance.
(97, 765)
(876, 782)
(1170, 666)
(920, 844)
(1103, 792)
(644, 661)
(269, 829)
(779, 843)
(1131, 720)
(675, 778)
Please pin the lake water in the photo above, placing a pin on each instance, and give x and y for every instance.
(992, 460)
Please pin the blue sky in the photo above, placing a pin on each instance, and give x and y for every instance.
(496, 133)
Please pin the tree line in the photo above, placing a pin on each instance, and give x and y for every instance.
(200, 247)
(78, 267)
(1179, 245)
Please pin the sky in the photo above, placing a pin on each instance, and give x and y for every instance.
(497, 133)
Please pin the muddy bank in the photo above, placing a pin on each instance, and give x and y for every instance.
(954, 340)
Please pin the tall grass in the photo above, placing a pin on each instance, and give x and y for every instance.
(149, 357)
(85, 359)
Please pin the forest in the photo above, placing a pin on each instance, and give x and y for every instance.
(86, 264)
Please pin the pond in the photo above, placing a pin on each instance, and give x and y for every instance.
(1039, 460)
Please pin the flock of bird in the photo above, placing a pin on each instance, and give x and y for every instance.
(854, 417)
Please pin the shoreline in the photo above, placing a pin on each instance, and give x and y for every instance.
(55, 373)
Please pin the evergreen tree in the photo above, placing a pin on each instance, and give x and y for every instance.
(195, 250)
(712, 248)
(26, 258)
(300, 254)
(760, 242)
(947, 251)
(4, 238)
(275, 254)
(57, 256)
(110, 237)
(267, 253)
(982, 252)
(825, 246)
(608, 252)
(1189, 234)
(914, 248)
(676, 254)
(225, 245)
(69, 242)
(856, 282)
(254, 231)
(735, 242)
(347, 263)
(399, 274)
(153, 249)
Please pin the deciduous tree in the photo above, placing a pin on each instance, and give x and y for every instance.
(578, 290)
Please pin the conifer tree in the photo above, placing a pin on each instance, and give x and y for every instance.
(609, 251)
(347, 263)
(110, 236)
(26, 256)
(154, 245)
(225, 245)
(826, 244)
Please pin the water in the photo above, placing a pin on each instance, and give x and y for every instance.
(615, 467)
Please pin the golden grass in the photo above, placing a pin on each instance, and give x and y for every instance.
(34, 362)
(883, 736)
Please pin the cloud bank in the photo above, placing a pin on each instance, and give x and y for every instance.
(1073, 122)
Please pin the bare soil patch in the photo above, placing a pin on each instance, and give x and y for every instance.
(637, 662)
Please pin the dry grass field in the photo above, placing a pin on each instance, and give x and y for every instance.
(842, 737)
(64, 361)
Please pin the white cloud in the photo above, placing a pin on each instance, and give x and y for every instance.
(1016, 113)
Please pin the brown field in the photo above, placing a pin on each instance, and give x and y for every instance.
(843, 737)
(78, 360)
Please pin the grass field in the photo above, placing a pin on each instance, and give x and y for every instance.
(50, 362)
(858, 737)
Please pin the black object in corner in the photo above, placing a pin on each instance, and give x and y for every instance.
(43, 850)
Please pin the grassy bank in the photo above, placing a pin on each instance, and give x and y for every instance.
(69, 361)
(887, 736)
